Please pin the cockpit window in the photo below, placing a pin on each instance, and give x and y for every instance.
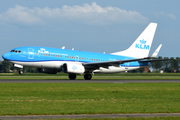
(16, 51)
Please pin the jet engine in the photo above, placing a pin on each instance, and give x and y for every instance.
(48, 71)
(73, 68)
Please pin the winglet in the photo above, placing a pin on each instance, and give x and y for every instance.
(156, 52)
(63, 47)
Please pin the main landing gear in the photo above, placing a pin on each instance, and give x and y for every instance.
(72, 76)
(86, 76)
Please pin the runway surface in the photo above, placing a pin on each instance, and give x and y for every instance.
(87, 81)
(88, 116)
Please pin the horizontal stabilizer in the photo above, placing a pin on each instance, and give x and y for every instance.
(156, 52)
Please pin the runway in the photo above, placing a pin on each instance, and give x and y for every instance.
(87, 81)
(89, 116)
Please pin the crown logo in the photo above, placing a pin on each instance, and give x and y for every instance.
(74, 67)
(142, 41)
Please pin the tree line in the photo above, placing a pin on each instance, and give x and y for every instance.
(7, 67)
(168, 66)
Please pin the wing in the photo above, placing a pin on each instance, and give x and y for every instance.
(155, 60)
(96, 65)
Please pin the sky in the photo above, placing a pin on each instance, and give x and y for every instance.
(98, 26)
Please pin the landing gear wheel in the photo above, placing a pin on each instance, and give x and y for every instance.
(87, 76)
(20, 72)
(72, 76)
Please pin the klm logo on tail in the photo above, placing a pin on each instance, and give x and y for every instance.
(142, 45)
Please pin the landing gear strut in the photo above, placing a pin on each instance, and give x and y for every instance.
(72, 76)
(20, 71)
(87, 76)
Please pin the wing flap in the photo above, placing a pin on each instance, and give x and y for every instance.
(154, 60)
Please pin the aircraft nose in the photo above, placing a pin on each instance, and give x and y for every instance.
(6, 56)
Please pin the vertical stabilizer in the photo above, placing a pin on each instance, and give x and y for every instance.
(142, 45)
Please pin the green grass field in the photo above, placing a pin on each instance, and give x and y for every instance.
(114, 74)
(154, 118)
(88, 98)
(96, 76)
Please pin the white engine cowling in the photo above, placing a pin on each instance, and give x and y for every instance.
(73, 68)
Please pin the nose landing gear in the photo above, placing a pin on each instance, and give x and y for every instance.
(20, 71)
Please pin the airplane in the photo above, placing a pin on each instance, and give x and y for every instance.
(73, 62)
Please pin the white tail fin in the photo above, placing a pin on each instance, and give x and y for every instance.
(142, 45)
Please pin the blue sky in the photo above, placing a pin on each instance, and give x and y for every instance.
(98, 26)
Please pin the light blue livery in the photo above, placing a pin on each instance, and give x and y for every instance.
(73, 62)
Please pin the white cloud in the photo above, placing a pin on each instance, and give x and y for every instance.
(88, 14)
(162, 14)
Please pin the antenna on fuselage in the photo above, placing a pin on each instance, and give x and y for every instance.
(63, 47)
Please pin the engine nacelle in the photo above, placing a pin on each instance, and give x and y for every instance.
(73, 68)
(48, 71)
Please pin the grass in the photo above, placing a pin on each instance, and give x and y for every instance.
(88, 98)
(114, 74)
(154, 118)
(96, 76)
